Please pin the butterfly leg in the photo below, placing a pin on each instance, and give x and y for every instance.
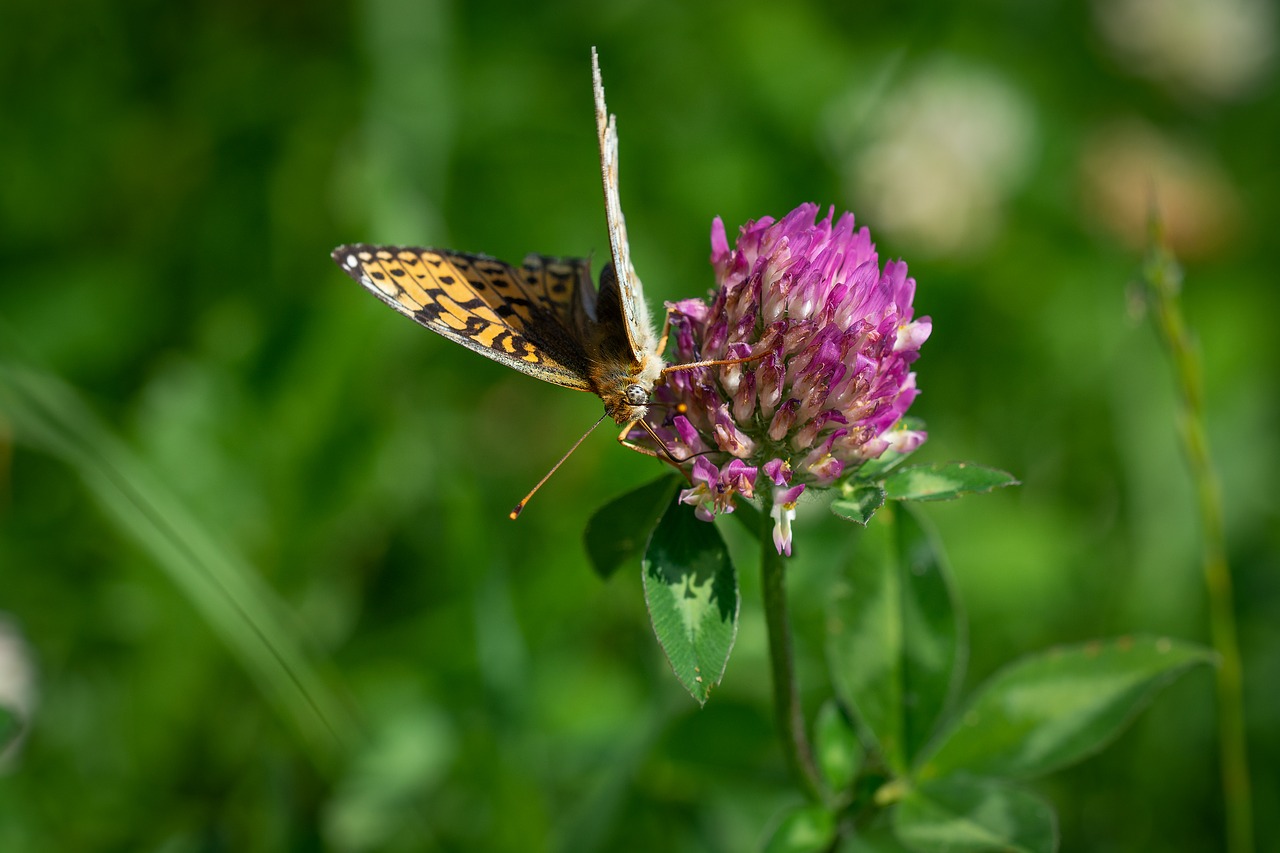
(666, 330)
(663, 454)
(694, 365)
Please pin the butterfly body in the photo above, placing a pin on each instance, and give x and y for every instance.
(545, 318)
(622, 380)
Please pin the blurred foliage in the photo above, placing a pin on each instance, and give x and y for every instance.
(177, 175)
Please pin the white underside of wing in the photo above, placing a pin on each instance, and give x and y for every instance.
(644, 340)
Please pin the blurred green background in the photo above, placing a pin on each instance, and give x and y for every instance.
(244, 434)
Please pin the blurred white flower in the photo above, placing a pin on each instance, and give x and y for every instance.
(943, 153)
(1214, 48)
(1126, 166)
(17, 681)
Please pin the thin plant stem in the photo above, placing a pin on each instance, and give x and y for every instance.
(1163, 280)
(786, 697)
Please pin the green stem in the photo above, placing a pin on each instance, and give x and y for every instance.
(786, 697)
(1163, 279)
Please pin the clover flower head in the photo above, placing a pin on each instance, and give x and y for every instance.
(829, 336)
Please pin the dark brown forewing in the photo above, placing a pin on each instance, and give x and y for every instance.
(609, 339)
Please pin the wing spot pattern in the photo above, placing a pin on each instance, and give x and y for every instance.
(466, 297)
(432, 288)
(414, 289)
(453, 309)
(469, 318)
(458, 324)
(487, 336)
(379, 284)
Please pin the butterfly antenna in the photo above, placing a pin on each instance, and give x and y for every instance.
(519, 508)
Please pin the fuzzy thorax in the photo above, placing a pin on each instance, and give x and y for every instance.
(626, 392)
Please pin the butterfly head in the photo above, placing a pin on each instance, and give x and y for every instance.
(629, 403)
(626, 390)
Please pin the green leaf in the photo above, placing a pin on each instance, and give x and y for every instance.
(618, 531)
(836, 748)
(804, 829)
(1052, 709)
(943, 481)
(961, 814)
(860, 505)
(691, 589)
(894, 640)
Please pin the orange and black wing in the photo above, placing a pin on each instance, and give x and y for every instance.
(517, 317)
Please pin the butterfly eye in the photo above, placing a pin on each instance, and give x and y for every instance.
(636, 395)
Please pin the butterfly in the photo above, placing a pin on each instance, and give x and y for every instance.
(545, 318)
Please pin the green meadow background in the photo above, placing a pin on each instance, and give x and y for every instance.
(258, 590)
